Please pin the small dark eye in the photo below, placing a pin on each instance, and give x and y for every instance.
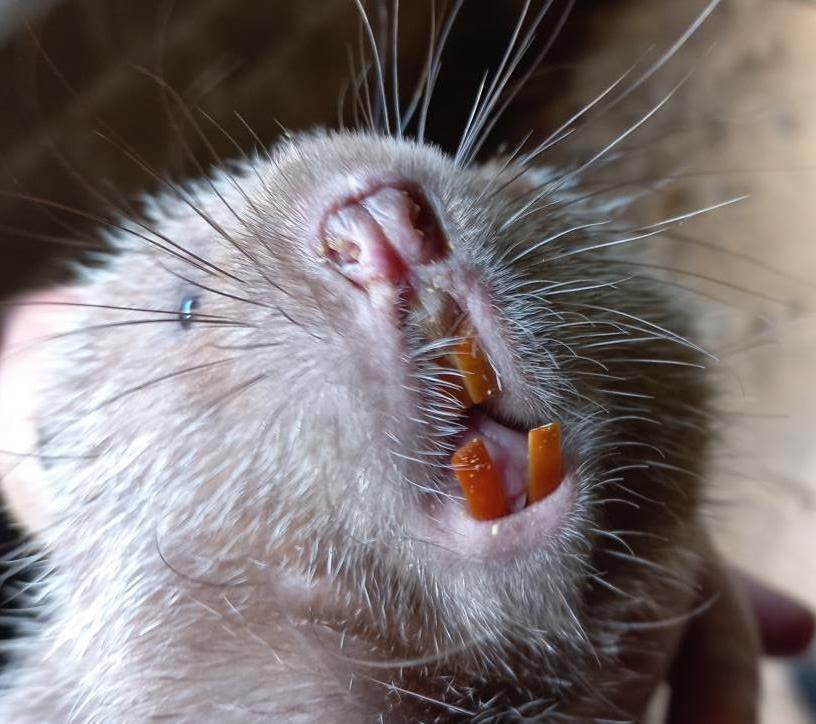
(186, 309)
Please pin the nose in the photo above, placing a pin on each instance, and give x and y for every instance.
(383, 236)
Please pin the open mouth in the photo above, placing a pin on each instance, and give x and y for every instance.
(510, 491)
(500, 469)
(492, 512)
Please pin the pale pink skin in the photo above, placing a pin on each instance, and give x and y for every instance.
(302, 580)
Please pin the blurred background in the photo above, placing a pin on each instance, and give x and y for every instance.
(102, 98)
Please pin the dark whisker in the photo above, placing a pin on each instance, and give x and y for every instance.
(245, 300)
(236, 390)
(173, 248)
(129, 323)
(21, 233)
(162, 378)
(173, 312)
(176, 191)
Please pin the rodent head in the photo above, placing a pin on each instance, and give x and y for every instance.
(240, 402)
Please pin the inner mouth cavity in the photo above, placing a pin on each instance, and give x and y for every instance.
(498, 470)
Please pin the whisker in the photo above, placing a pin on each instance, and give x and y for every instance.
(173, 312)
(113, 325)
(375, 53)
(519, 85)
(394, 68)
(172, 248)
(162, 378)
(430, 84)
(236, 391)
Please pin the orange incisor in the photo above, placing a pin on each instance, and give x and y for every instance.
(544, 460)
(473, 372)
(470, 381)
(480, 481)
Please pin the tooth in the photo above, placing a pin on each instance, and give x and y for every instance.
(478, 377)
(545, 461)
(480, 481)
(471, 371)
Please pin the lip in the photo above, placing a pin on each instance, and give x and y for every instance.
(447, 525)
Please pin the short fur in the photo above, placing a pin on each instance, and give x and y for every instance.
(239, 507)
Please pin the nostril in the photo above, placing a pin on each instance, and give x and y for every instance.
(407, 219)
(427, 226)
(418, 212)
(341, 251)
(383, 236)
(356, 246)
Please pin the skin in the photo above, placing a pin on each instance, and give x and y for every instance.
(246, 572)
